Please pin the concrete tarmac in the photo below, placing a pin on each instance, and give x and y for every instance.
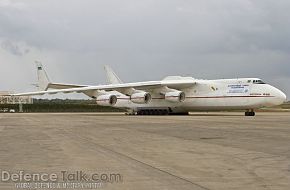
(216, 151)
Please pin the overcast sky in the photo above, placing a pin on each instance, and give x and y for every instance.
(144, 40)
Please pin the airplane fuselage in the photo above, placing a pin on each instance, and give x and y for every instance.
(214, 95)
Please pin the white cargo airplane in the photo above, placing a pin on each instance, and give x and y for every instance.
(172, 95)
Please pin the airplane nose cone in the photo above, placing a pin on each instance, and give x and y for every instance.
(277, 97)
(283, 97)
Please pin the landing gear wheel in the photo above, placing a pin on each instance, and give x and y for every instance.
(250, 113)
(141, 112)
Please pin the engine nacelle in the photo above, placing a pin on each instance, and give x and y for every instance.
(107, 100)
(176, 96)
(141, 98)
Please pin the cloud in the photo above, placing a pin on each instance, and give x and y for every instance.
(14, 48)
(11, 4)
(147, 40)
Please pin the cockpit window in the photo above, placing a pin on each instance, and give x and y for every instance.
(258, 82)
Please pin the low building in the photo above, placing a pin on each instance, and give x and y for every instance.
(6, 99)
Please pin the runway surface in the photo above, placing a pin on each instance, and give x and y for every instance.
(215, 151)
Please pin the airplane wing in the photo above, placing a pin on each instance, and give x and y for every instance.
(151, 85)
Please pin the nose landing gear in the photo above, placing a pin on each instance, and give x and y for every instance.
(250, 113)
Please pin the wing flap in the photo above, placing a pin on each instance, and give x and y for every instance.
(64, 86)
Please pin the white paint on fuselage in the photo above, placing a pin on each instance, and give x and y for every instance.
(207, 95)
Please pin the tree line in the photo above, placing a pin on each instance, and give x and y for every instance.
(60, 105)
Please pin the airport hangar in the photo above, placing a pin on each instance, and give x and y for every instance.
(5, 98)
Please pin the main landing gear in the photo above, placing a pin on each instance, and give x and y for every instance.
(250, 113)
(156, 111)
(153, 112)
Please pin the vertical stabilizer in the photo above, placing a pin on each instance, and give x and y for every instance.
(43, 80)
(112, 78)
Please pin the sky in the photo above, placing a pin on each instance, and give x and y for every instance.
(144, 40)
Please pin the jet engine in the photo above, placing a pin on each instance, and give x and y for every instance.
(141, 98)
(107, 100)
(175, 96)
